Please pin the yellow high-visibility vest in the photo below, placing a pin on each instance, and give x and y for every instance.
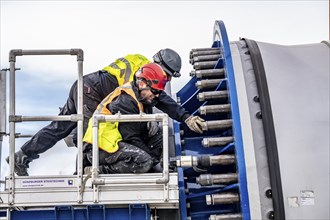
(108, 133)
(125, 68)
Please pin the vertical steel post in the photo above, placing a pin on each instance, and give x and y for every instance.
(12, 60)
(80, 125)
(165, 156)
(95, 161)
(3, 102)
(2, 108)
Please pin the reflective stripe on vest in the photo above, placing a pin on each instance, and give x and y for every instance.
(125, 68)
(108, 133)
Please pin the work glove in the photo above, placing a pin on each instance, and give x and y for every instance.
(195, 123)
(153, 128)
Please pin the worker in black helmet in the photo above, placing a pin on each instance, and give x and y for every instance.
(96, 86)
(170, 62)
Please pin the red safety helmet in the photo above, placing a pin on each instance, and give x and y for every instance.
(153, 75)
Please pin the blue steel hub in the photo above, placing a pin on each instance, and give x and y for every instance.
(204, 95)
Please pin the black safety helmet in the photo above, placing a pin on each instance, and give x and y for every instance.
(169, 60)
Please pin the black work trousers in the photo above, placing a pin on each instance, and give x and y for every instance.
(128, 158)
(96, 86)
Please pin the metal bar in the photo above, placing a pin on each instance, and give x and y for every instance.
(211, 57)
(203, 96)
(217, 141)
(208, 73)
(226, 159)
(210, 179)
(47, 118)
(205, 160)
(217, 125)
(18, 52)
(165, 177)
(222, 198)
(208, 161)
(3, 93)
(95, 161)
(208, 83)
(18, 135)
(213, 109)
(11, 133)
(205, 65)
(130, 118)
(80, 127)
(204, 51)
(233, 216)
(217, 190)
(3, 102)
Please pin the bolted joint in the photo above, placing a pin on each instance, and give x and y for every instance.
(13, 54)
(269, 193)
(164, 120)
(259, 115)
(96, 119)
(15, 118)
(256, 98)
(186, 161)
(271, 215)
(77, 117)
(98, 182)
(164, 179)
(79, 53)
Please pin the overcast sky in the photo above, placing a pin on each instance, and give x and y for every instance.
(106, 30)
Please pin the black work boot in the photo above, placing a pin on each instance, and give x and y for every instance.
(21, 161)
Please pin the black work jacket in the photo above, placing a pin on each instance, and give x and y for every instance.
(164, 102)
(136, 133)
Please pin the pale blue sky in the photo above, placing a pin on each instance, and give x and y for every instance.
(106, 30)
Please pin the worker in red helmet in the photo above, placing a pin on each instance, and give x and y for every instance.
(124, 146)
(96, 86)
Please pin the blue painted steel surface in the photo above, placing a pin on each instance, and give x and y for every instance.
(181, 182)
(67, 211)
(189, 143)
(90, 212)
(139, 211)
(219, 28)
(182, 194)
(98, 210)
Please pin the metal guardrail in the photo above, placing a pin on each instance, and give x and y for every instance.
(96, 181)
(14, 119)
(130, 118)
